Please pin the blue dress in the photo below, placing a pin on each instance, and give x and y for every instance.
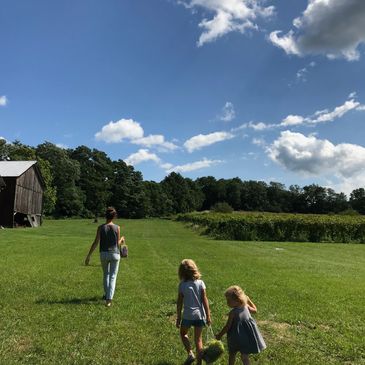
(244, 335)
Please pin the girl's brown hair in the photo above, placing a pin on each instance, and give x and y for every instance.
(110, 213)
(236, 293)
(188, 270)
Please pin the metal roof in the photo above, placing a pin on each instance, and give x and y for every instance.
(14, 168)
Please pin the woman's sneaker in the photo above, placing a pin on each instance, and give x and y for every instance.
(190, 359)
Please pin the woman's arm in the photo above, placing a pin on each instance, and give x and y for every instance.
(121, 240)
(93, 246)
(251, 306)
(226, 328)
(206, 306)
(179, 304)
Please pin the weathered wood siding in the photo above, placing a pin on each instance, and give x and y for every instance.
(28, 193)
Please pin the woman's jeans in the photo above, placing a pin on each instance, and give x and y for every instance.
(110, 265)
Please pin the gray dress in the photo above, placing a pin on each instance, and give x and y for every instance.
(244, 335)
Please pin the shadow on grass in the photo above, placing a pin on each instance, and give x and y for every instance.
(73, 301)
(163, 363)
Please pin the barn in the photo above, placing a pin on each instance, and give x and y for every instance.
(21, 194)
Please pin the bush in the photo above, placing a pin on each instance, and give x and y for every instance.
(222, 207)
(280, 226)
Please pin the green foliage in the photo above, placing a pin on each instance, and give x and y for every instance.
(212, 351)
(82, 181)
(222, 207)
(183, 193)
(280, 227)
(50, 191)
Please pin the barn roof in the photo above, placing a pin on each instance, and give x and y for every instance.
(14, 168)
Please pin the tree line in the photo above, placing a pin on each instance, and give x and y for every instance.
(81, 182)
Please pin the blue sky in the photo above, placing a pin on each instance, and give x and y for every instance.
(263, 90)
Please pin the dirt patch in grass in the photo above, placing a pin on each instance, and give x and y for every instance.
(21, 344)
(277, 331)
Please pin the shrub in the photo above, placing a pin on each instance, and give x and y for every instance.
(280, 226)
(222, 207)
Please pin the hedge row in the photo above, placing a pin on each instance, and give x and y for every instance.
(279, 227)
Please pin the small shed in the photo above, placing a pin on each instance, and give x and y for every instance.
(21, 194)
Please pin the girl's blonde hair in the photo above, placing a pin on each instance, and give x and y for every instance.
(188, 270)
(236, 293)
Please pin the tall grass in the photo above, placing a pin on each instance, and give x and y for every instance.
(310, 297)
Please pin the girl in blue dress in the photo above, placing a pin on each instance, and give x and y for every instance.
(243, 334)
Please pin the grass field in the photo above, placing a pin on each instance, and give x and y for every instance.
(310, 297)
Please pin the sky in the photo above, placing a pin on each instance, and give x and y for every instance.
(260, 90)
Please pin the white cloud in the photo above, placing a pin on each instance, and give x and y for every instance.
(286, 42)
(335, 28)
(197, 165)
(61, 145)
(155, 140)
(338, 112)
(228, 112)
(310, 155)
(303, 72)
(352, 95)
(259, 142)
(323, 116)
(228, 16)
(203, 140)
(260, 126)
(132, 131)
(3, 100)
(115, 132)
(144, 155)
(141, 156)
(292, 120)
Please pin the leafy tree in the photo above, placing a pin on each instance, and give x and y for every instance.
(157, 203)
(66, 172)
(254, 195)
(233, 193)
(4, 150)
(127, 191)
(357, 200)
(21, 152)
(50, 191)
(315, 198)
(184, 194)
(336, 203)
(96, 172)
(278, 198)
(209, 187)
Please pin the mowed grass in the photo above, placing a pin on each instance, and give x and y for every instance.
(310, 297)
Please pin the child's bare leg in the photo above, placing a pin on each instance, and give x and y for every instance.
(232, 358)
(245, 359)
(198, 343)
(185, 339)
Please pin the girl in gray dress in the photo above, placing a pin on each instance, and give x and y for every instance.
(243, 334)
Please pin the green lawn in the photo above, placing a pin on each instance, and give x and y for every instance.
(310, 297)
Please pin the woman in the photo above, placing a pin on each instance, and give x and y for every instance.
(108, 235)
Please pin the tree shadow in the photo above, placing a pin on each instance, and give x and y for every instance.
(72, 301)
